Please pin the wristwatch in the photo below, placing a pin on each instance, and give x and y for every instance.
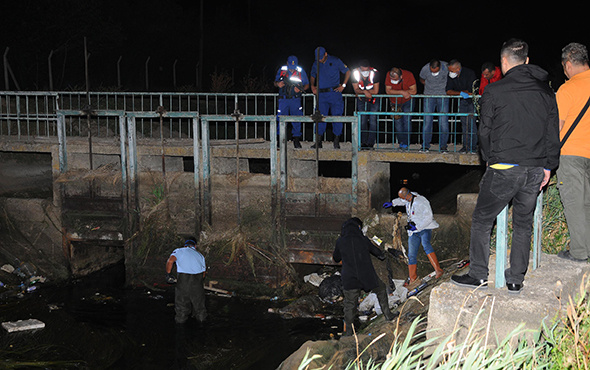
(343, 85)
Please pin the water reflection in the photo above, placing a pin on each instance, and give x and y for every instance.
(95, 323)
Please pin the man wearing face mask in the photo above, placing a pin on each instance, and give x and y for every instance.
(365, 82)
(460, 82)
(434, 78)
(401, 82)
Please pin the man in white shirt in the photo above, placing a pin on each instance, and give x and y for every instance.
(420, 224)
(189, 295)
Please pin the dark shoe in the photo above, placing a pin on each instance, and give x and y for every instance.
(444, 150)
(336, 142)
(391, 315)
(424, 150)
(463, 150)
(318, 144)
(514, 288)
(469, 282)
(297, 142)
(566, 255)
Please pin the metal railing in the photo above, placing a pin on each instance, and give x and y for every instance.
(33, 114)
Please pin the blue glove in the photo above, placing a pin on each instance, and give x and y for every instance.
(387, 205)
(464, 95)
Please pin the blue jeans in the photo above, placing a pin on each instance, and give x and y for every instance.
(368, 122)
(331, 103)
(469, 129)
(519, 184)
(403, 125)
(441, 105)
(422, 237)
(291, 107)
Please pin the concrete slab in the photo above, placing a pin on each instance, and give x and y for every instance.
(544, 297)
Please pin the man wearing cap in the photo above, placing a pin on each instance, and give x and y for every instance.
(291, 80)
(401, 82)
(329, 91)
(365, 82)
(189, 295)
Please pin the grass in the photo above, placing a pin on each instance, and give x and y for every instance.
(564, 345)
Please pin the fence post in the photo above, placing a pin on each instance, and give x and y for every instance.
(501, 246)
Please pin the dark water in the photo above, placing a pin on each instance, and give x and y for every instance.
(95, 323)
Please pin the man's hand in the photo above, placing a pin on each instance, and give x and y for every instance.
(387, 205)
(546, 178)
(280, 84)
(170, 279)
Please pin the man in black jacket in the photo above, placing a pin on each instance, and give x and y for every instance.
(354, 250)
(519, 140)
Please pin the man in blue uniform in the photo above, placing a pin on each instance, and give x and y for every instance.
(189, 295)
(329, 91)
(292, 80)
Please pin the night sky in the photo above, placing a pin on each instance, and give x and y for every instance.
(256, 37)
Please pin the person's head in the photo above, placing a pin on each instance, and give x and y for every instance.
(434, 67)
(395, 74)
(404, 193)
(487, 70)
(514, 52)
(357, 221)
(321, 54)
(454, 68)
(574, 59)
(190, 242)
(292, 62)
(364, 66)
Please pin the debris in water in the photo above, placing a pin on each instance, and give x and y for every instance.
(21, 325)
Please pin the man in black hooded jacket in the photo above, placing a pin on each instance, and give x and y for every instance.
(354, 250)
(519, 140)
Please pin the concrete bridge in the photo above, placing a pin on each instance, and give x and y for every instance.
(212, 162)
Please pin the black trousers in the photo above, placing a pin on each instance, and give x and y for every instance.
(189, 298)
(497, 189)
(351, 299)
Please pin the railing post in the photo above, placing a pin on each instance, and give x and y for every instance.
(501, 246)
(538, 231)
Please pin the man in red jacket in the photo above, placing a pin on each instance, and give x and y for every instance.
(489, 73)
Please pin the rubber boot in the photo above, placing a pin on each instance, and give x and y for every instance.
(413, 277)
(297, 142)
(434, 263)
(384, 303)
(336, 142)
(318, 142)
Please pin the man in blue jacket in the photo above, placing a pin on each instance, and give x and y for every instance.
(292, 81)
(329, 91)
(354, 249)
(519, 140)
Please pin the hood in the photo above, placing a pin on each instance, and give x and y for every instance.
(350, 227)
(525, 72)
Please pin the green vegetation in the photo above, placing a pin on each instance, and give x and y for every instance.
(564, 345)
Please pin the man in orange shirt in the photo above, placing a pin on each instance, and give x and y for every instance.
(574, 164)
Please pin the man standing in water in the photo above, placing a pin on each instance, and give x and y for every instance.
(189, 295)
(354, 250)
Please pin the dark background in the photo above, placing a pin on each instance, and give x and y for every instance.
(255, 37)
